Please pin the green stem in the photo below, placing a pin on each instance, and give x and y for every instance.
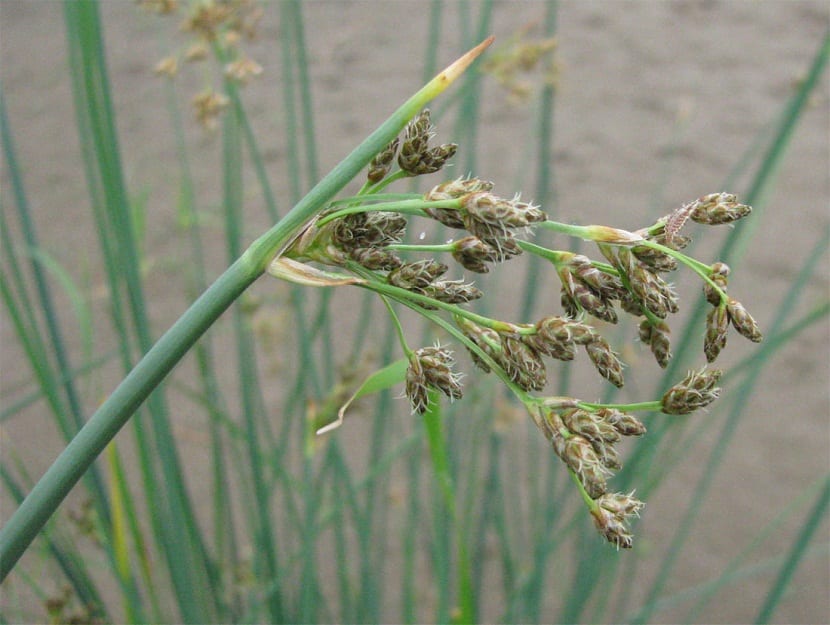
(441, 467)
(583, 232)
(404, 207)
(651, 406)
(78, 456)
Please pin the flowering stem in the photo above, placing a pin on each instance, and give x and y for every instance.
(404, 207)
(398, 328)
(654, 405)
(701, 269)
(592, 505)
(35, 510)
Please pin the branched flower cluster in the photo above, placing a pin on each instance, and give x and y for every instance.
(220, 25)
(364, 236)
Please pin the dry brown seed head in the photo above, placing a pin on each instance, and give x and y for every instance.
(209, 105)
(375, 259)
(453, 291)
(416, 276)
(717, 324)
(522, 363)
(626, 424)
(605, 361)
(457, 188)
(656, 336)
(590, 425)
(718, 208)
(611, 515)
(743, 322)
(242, 70)
(380, 165)
(654, 259)
(697, 390)
(580, 456)
(433, 160)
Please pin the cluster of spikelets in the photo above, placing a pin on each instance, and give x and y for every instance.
(364, 235)
(214, 25)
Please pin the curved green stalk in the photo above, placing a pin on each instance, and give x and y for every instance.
(78, 456)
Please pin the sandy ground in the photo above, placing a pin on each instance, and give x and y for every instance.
(637, 80)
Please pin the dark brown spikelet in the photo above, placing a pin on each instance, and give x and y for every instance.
(717, 324)
(656, 336)
(743, 322)
(581, 458)
(380, 165)
(718, 208)
(453, 291)
(431, 367)
(522, 363)
(611, 515)
(719, 275)
(605, 361)
(416, 276)
(626, 424)
(697, 390)
(474, 254)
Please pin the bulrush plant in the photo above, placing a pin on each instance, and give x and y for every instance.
(362, 237)
(358, 241)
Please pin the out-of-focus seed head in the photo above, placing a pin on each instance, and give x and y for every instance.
(569, 304)
(718, 208)
(717, 324)
(381, 163)
(195, 52)
(243, 70)
(160, 7)
(168, 66)
(697, 390)
(209, 105)
(743, 322)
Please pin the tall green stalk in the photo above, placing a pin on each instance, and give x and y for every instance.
(73, 462)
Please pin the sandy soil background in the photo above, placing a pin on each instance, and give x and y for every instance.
(636, 80)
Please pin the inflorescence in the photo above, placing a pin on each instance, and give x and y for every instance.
(364, 236)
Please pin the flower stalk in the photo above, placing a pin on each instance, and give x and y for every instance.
(114, 412)
(363, 237)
